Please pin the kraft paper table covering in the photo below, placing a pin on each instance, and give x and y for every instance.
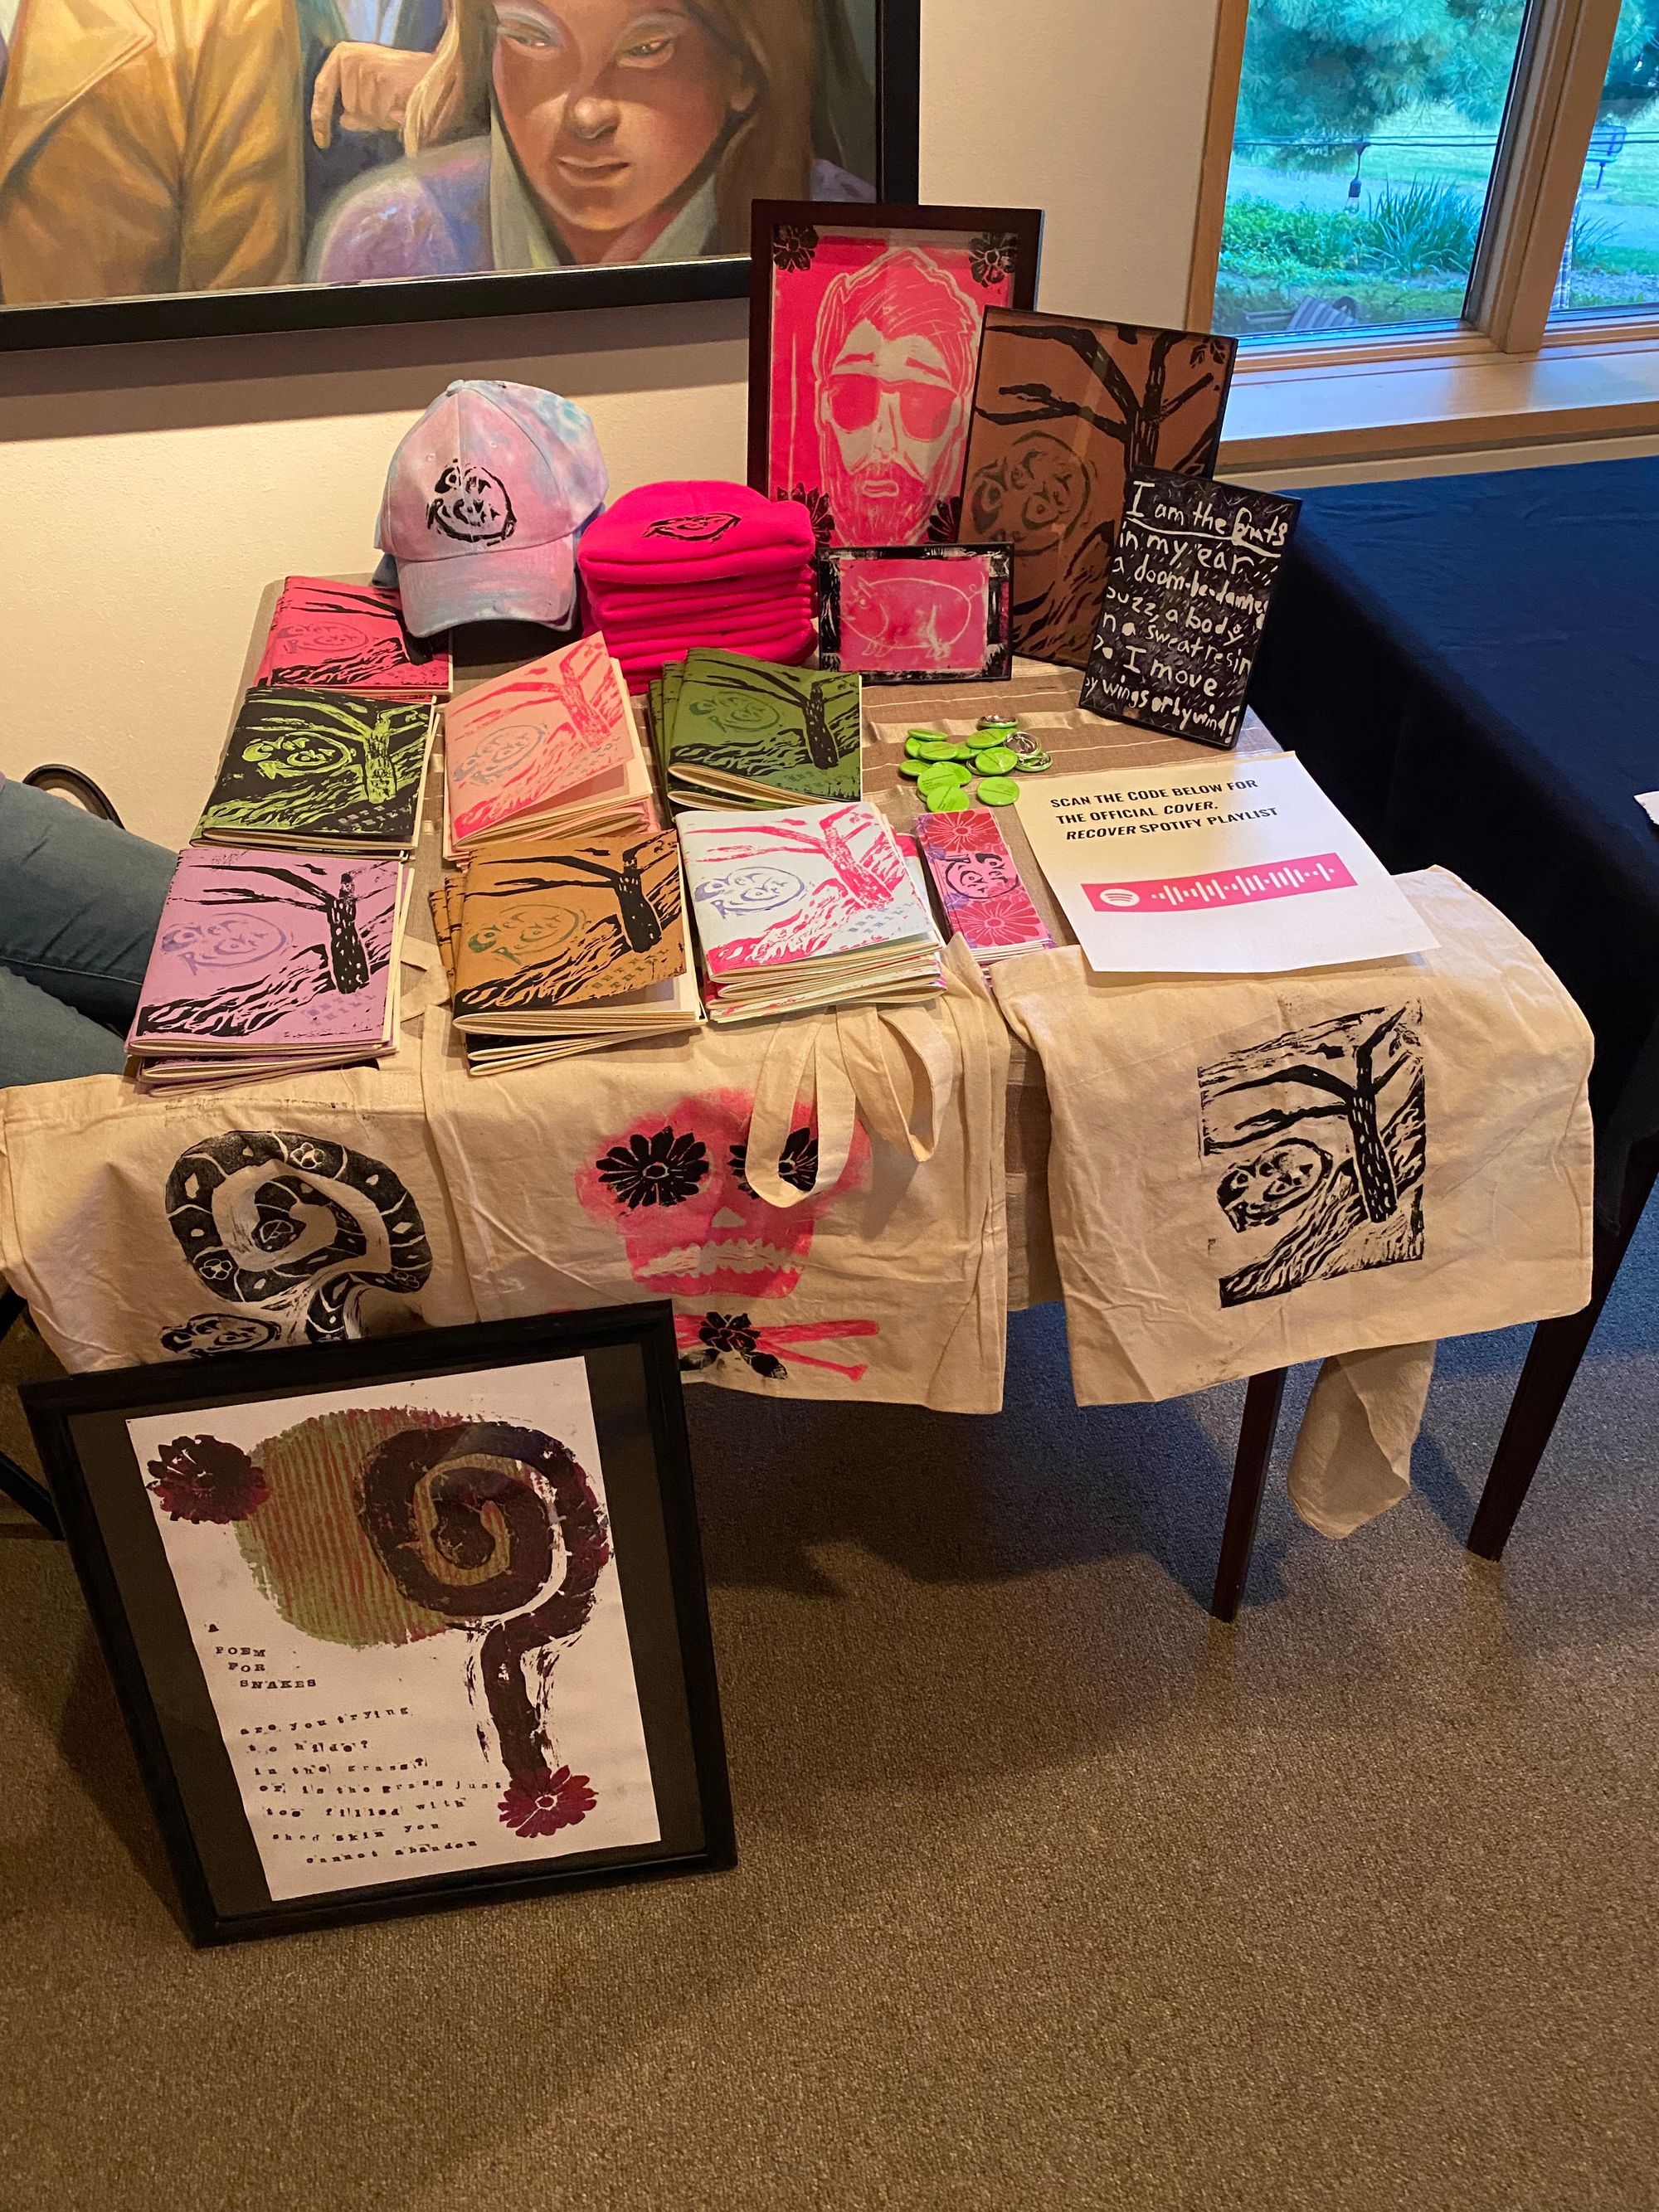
(140, 1144)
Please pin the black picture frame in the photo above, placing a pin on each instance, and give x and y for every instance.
(775, 226)
(100, 1493)
(447, 299)
(997, 663)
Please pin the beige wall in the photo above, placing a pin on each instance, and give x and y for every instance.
(150, 492)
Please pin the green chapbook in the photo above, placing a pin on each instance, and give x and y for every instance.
(741, 731)
(321, 771)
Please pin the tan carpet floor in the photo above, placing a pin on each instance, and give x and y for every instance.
(1052, 1892)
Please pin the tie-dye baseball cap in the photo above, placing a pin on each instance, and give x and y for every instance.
(483, 503)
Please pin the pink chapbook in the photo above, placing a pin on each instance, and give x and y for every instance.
(521, 751)
(273, 954)
(979, 885)
(326, 636)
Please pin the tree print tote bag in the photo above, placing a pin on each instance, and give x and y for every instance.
(1253, 1171)
(823, 1198)
(303, 1210)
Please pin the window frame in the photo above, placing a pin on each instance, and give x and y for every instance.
(1542, 147)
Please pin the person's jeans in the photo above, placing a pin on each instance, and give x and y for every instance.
(80, 901)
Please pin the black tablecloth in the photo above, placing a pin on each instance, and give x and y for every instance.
(1469, 666)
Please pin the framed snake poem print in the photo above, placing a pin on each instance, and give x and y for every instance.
(404, 1622)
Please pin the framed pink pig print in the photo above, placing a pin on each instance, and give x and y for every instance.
(917, 614)
(864, 339)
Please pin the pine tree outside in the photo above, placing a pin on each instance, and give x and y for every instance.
(1363, 152)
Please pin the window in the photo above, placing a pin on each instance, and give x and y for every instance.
(1363, 148)
(1396, 178)
(1611, 257)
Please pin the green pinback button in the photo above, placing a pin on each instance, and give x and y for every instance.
(942, 749)
(995, 760)
(951, 799)
(998, 791)
(1034, 764)
(942, 772)
(910, 766)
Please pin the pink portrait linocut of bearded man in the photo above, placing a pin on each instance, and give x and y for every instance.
(894, 368)
(875, 342)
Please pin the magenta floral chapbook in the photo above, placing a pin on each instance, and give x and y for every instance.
(979, 885)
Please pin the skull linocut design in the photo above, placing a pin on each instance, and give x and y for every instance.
(675, 1188)
(1322, 1134)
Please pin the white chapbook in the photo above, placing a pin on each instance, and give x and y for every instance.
(1242, 867)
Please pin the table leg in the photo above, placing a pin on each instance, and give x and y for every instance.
(1552, 1363)
(1256, 1448)
(17, 1482)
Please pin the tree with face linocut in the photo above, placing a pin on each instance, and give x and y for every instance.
(289, 975)
(1327, 1126)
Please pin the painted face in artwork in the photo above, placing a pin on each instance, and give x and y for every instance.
(1271, 1185)
(674, 1189)
(612, 108)
(893, 365)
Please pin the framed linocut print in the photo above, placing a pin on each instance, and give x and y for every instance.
(402, 1623)
(916, 614)
(284, 167)
(864, 338)
(1065, 414)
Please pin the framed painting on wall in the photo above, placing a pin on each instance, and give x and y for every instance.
(413, 1621)
(306, 164)
(864, 333)
(1065, 413)
(916, 614)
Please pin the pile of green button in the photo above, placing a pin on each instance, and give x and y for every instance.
(945, 767)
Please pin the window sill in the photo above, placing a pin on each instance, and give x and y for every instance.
(1391, 406)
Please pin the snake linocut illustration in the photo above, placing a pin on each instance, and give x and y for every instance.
(292, 1233)
(414, 1585)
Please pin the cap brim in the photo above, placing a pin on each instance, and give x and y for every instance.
(507, 583)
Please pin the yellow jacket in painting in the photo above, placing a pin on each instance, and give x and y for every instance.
(149, 147)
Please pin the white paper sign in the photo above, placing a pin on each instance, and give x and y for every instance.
(1240, 867)
(360, 1731)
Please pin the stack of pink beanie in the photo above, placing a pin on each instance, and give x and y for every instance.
(677, 565)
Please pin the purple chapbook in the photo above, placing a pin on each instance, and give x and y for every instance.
(270, 952)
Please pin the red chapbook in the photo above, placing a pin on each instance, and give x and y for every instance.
(326, 636)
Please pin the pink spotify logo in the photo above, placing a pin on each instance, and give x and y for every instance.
(1317, 872)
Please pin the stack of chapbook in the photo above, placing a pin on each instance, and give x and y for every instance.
(737, 734)
(549, 750)
(560, 944)
(979, 886)
(326, 636)
(322, 772)
(269, 963)
(808, 906)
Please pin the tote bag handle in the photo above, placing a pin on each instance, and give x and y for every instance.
(802, 1060)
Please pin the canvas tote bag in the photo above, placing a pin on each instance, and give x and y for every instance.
(1247, 1172)
(822, 1198)
(304, 1210)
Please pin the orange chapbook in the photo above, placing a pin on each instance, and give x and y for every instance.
(538, 742)
(547, 928)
